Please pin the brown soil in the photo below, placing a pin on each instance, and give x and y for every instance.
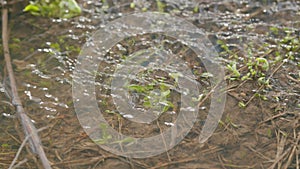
(264, 134)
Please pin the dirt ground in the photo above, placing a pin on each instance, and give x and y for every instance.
(260, 126)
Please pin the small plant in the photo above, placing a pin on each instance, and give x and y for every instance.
(160, 6)
(132, 5)
(54, 8)
(242, 104)
(228, 122)
(233, 69)
(255, 66)
(105, 4)
(196, 9)
(5, 145)
(262, 64)
(107, 138)
(226, 50)
(153, 98)
(156, 94)
(257, 60)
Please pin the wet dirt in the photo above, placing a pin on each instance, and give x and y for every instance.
(263, 134)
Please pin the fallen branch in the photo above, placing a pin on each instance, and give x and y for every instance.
(20, 149)
(29, 128)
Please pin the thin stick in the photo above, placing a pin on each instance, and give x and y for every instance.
(21, 147)
(273, 117)
(28, 127)
(289, 161)
(20, 163)
(19, 151)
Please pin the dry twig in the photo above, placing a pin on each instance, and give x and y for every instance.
(28, 127)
